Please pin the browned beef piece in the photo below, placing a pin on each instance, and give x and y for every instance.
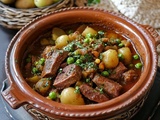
(111, 87)
(99, 48)
(53, 62)
(92, 94)
(118, 71)
(47, 51)
(129, 75)
(69, 75)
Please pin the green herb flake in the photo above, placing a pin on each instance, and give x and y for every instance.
(101, 90)
(88, 80)
(77, 89)
(46, 84)
(34, 70)
(41, 61)
(50, 78)
(60, 70)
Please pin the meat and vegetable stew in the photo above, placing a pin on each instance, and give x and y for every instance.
(82, 65)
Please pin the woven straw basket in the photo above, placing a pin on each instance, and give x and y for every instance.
(13, 18)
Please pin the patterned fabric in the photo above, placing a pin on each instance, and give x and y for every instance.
(142, 11)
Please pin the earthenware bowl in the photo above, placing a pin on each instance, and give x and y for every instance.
(125, 106)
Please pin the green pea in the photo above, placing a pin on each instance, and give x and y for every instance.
(105, 73)
(36, 63)
(76, 52)
(34, 70)
(82, 57)
(52, 95)
(89, 35)
(77, 89)
(86, 40)
(118, 41)
(70, 60)
(41, 61)
(121, 57)
(138, 65)
(121, 45)
(136, 57)
(79, 61)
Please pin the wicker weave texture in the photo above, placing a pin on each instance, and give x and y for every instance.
(13, 18)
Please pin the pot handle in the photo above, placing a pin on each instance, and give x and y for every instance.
(12, 96)
(153, 33)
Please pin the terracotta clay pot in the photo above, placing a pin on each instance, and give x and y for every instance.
(125, 106)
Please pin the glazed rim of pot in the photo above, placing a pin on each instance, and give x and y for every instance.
(17, 48)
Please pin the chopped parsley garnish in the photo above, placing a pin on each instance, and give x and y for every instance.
(77, 89)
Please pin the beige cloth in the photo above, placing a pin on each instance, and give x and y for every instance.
(142, 11)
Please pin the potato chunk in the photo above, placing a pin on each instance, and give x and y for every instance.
(110, 58)
(126, 52)
(56, 32)
(62, 41)
(69, 96)
(43, 86)
(89, 30)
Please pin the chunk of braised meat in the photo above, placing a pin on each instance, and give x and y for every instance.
(99, 48)
(81, 28)
(47, 51)
(53, 63)
(63, 65)
(111, 87)
(129, 75)
(92, 94)
(118, 71)
(69, 75)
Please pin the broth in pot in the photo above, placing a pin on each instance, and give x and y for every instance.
(82, 65)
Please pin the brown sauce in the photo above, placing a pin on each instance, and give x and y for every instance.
(92, 47)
